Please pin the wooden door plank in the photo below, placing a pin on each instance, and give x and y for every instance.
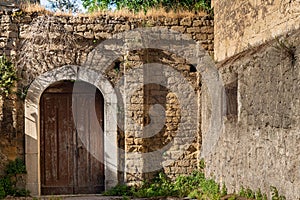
(57, 158)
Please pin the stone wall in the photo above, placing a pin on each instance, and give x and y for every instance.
(259, 143)
(240, 24)
(154, 94)
(38, 43)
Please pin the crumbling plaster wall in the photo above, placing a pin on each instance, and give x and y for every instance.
(240, 24)
(259, 145)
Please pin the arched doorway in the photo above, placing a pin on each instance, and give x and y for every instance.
(72, 143)
(32, 122)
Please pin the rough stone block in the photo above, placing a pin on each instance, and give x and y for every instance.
(186, 21)
(81, 28)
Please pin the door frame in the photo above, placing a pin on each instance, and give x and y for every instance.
(32, 122)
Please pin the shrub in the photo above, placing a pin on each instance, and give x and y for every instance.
(119, 190)
(2, 192)
(8, 75)
(9, 180)
(193, 186)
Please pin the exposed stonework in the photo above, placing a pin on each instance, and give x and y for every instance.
(38, 44)
(152, 94)
(258, 146)
(240, 24)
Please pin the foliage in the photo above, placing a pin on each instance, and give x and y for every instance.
(2, 192)
(9, 180)
(94, 5)
(64, 5)
(202, 164)
(193, 186)
(119, 190)
(275, 194)
(8, 75)
(15, 167)
(232, 197)
(248, 193)
(159, 186)
(224, 190)
(140, 5)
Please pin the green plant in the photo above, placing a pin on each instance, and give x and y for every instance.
(8, 75)
(140, 5)
(119, 190)
(275, 194)
(248, 193)
(159, 186)
(125, 198)
(202, 164)
(15, 167)
(2, 192)
(260, 196)
(204, 5)
(224, 190)
(232, 197)
(195, 186)
(9, 181)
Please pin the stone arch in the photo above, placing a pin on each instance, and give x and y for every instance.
(177, 43)
(32, 122)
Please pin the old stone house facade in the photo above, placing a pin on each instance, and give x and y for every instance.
(151, 87)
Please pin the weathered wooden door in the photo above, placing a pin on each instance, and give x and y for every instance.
(71, 140)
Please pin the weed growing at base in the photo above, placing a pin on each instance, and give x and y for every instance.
(194, 186)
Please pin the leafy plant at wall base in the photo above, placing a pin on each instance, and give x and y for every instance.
(2, 192)
(119, 190)
(194, 186)
(9, 181)
(224, 190)
(202, 164)
(8, 75)
(15, 167)
(7, 185)
(275, 194)
(248, 193)
(232, 197)
(260, 196)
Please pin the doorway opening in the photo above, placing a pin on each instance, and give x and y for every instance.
(72, 139)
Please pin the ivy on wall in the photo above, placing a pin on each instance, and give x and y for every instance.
(8, 75)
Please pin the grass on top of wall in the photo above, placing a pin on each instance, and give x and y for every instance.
(151, 13)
